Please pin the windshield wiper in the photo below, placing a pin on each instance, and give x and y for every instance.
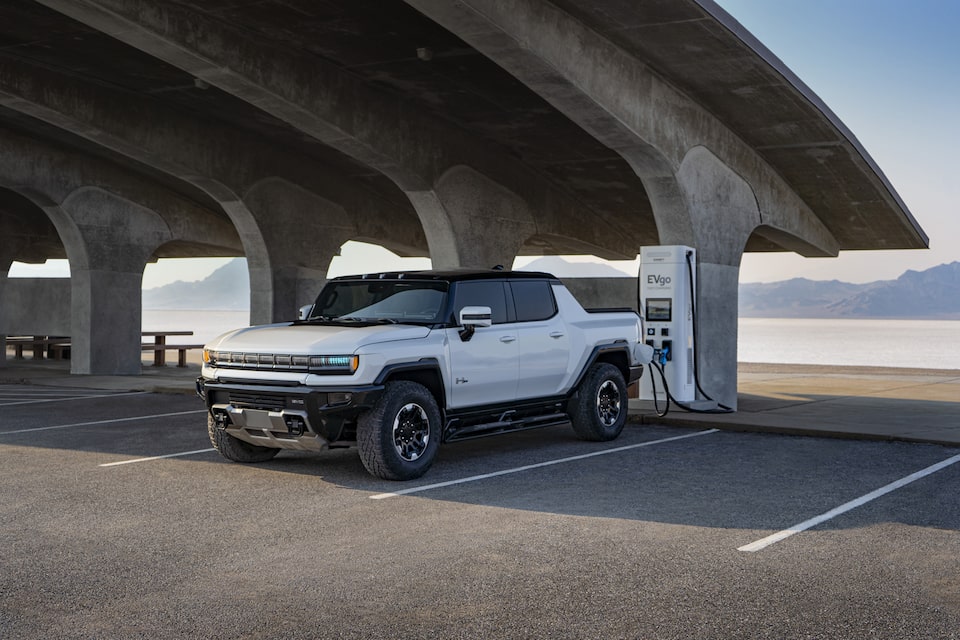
(367, 320)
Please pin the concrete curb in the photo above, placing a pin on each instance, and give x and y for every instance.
(800, 430)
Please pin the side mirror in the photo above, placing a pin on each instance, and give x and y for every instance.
(473, 317)
(476, 317)
(305, 312)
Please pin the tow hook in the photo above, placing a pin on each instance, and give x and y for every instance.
(294, 424)
(220, 419)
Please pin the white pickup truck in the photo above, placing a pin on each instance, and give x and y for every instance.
(398, 363)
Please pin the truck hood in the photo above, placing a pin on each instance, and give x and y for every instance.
(312, 339)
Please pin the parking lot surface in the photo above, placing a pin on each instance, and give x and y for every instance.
(117, 520)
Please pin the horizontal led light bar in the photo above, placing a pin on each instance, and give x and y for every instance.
(282, 362)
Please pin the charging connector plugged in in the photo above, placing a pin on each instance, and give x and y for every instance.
(663, 355)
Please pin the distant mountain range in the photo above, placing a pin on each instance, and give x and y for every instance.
(226, 289)
(930, 294)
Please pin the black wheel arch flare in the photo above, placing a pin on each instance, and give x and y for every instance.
(615, 353)
(425, 371)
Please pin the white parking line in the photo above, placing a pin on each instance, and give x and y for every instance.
(41, 393)
(763, 543)
(14, 389)
(428, 487)
(169, 455)
(87, 424)
(108, 395)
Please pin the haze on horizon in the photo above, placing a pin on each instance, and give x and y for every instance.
(887, 68)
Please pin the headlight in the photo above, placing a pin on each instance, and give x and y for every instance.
(334, 364)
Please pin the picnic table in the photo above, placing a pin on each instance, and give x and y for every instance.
(160, 347)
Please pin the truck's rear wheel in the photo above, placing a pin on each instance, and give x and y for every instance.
(398, 438)
(237, 450)
(599, 410)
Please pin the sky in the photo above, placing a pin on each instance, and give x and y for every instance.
(889, 69)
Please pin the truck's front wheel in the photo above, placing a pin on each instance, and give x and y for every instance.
(599, 410)
(398, 438)
(236, 450)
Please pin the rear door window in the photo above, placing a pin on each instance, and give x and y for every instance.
(533, 300)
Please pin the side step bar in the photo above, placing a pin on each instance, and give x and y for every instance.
(455, 433)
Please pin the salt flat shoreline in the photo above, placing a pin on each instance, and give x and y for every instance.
(822, 369)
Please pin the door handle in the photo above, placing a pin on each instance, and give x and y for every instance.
(556, 334)
(507, 339)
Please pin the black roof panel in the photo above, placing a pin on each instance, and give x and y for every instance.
(452, 275)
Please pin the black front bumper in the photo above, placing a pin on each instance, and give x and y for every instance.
(323, 411)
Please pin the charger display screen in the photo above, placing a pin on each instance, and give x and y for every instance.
(659, 310)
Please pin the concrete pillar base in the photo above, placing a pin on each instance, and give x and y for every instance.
(106, 322)
(716, 346)
(3, 336)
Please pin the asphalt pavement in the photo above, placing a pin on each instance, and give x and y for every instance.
(118, 520)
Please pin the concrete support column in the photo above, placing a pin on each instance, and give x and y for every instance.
(278, 292)
(301, 233)
(471, 221)
(108, 241)
(105, 321)
(4, 270)
(717, 290)
(723, 212)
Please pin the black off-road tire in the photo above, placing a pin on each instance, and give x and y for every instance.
(599, 410)
(237, 450)
(398, 438)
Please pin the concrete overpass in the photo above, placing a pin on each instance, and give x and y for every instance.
(469, 131)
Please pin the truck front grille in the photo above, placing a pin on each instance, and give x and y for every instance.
(254, 400)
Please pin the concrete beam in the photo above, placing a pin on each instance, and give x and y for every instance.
(332, 105)
(621, 102)
(218, 160)
(45, 174)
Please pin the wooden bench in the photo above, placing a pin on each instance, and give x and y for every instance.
(159, 352)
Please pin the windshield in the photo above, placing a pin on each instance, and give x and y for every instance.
(401, 301)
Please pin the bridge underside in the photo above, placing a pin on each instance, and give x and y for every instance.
(469, 131)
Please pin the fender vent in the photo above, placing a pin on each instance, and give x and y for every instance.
(262, 401)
